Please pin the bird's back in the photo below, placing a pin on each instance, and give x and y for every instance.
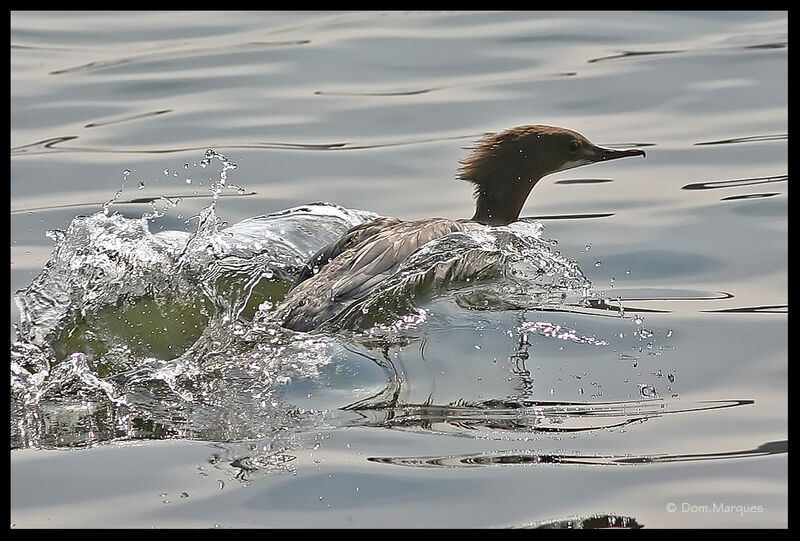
(351, 267)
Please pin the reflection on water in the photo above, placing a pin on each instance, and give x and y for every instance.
(530, 416)
(512, 458)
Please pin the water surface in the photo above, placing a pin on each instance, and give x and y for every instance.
(620, 362)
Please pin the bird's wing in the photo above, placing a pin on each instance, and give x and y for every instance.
(380, 255)
(353, 237)
(357, 267)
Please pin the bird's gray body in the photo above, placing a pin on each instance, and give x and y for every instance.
(348, 269)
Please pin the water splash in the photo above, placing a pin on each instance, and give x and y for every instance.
(128, 333)
(498, 268)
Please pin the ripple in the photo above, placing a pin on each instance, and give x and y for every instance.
(750, 196)
(584, 181)
(584, 216)
(629, 54)
(524, 417)
(735, 183)
(763, 309)
(517, 458)
(382, 94)
(135, 201)
(44, 144)
(127, 119)
(103, 64)
(749, 139)
(54, 144)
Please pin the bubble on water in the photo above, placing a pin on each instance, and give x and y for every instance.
(647, 391)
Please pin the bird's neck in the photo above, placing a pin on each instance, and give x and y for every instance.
(502, 206)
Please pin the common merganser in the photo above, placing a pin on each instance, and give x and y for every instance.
(504, 167)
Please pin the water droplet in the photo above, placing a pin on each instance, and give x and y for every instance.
(141, 185)
(669, 333)
(598, 263)
(188, 181)
(126, 172)
(647, 390)
(166, 172)
(587, 247)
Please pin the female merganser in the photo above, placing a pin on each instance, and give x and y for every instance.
(504, 168)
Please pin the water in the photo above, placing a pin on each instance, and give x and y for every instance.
(620, 360)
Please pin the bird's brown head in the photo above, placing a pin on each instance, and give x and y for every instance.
(505, 166)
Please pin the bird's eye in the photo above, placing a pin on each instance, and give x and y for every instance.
(574, 146)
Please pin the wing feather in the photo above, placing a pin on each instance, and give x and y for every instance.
(353, 265)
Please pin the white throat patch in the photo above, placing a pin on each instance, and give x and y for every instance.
(572, 164)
